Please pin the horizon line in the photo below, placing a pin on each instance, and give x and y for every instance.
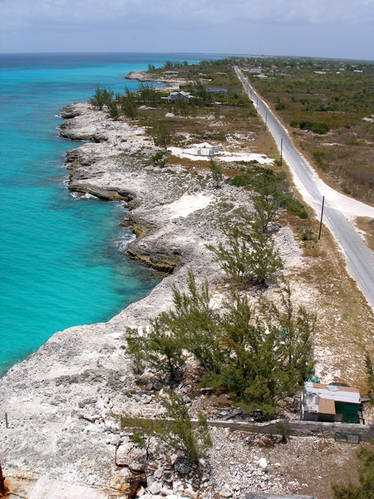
(221, 54)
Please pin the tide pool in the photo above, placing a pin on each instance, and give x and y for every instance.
(61, 258)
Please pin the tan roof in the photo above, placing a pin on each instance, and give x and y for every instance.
(326, 406)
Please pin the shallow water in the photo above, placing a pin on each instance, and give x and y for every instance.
(61, 258)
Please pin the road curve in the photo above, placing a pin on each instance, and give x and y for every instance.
(338, 207)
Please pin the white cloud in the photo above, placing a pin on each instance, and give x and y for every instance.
(209, 11)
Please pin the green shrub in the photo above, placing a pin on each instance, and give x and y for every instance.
(241, 180)
(161, 135)
(260, 358)
(113, 110)
(280, 106)
(101, 97)
(319, 155)
(293, 205)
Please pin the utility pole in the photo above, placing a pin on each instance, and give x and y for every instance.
(281, 151)
(2, 482)
(320, 223)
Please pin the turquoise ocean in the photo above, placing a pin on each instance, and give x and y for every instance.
(62, 259)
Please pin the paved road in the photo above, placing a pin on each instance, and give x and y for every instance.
(360, 260)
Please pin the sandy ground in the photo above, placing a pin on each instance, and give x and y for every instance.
(191, 153)
(189, 203)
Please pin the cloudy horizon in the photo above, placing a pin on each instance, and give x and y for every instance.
(314, 28)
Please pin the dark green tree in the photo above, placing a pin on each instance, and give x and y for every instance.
(259, 357)
(148, 95)
(263, 363)
(196, 324)
(157, 347)
(249, 253)
(113, 111)
(101, 97)
(129, 105)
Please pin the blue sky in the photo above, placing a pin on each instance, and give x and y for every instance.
(326, 28)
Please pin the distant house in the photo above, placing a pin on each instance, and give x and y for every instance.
(179, 95)
(330, 403)
(216, 90)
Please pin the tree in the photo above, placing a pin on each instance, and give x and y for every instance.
(249, 253)
(263, 362)
(158, 347)
(296, 328)
(370, 375)
(178, 433)
(260, 356)
(365, 488)
(128, 104)
(101, 97)
(196, 324)
(266, 207)
(205, 98)
(191, 326)
(161, 135)
(148, 95)
(113, 110)
(216, 172)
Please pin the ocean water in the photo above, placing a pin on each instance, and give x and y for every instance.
(61, 259)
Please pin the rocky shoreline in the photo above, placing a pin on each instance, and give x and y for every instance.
(168, 82)
(63, 401)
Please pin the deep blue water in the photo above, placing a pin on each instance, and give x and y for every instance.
(61, 259)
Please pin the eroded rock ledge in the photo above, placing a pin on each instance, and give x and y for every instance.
(63, 400)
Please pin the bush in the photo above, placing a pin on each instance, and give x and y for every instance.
(241, 180)
(148, 95)
(101, 97)
(113, 111)
(248, 254)
(280, 106)
(319, 155)
(293, 205)
(260, 358)
(216, 172)
(319, 128)
(161, 135)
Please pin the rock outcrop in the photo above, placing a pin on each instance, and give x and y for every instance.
(63, 402)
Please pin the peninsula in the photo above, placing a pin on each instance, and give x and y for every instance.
(183, 168)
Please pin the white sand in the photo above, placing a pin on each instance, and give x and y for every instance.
(187, 204)
(351, 208)
(190, 153)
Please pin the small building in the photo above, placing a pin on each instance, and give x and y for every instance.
(216, 90)
(330, 403)
(206, 149)
(179, 95)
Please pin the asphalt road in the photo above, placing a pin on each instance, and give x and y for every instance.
(360, 260)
